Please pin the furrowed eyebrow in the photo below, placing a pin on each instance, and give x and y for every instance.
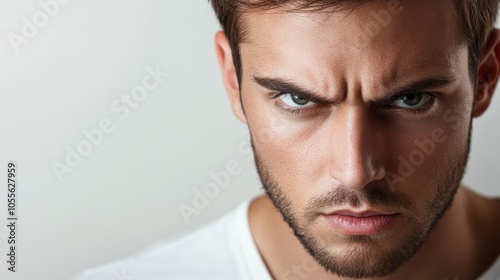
(421, 86)
(285, 86)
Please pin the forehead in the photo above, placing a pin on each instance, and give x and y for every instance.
(377, 40)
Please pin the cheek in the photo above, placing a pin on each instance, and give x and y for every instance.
(291, 151)
(423, 158)
(293, 155)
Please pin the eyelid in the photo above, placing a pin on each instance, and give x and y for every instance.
(289, 97)
(278, 94)
(415, 113)
(305, 96)
(295, 111)
(283, 85)
(401, 96)
(425, 97)
(388, 104)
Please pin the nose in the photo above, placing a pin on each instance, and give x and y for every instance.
(356, 148)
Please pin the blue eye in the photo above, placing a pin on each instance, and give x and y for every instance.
(413, 101)
(295, 101)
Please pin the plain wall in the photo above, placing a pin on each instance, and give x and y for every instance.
(125, 194)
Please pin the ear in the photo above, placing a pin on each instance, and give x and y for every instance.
(224, 54)
(489, 71)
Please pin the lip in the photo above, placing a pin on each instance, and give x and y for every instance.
(348, 222)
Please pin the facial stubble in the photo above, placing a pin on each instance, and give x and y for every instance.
(363, 256)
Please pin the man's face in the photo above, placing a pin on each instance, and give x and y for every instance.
(363, 170)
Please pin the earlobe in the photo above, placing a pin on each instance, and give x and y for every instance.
(488, 74)
(225, 57)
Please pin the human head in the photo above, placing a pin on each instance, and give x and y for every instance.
(382, 128)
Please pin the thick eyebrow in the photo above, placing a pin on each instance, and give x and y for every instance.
(424, 85)
(285, 86)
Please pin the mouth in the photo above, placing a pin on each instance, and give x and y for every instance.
(348, 222)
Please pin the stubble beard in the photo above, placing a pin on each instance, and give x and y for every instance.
(366, 258)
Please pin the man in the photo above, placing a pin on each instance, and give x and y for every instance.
(360, 115)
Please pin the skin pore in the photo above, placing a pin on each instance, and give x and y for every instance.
(333, 114)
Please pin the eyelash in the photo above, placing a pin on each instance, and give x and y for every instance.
(292, 111)
(419, 112)
(413, 112)
(288, 110)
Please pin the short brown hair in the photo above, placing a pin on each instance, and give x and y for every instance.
(476, 16)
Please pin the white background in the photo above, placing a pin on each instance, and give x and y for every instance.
(125, 194)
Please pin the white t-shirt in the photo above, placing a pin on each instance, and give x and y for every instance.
(223, 250)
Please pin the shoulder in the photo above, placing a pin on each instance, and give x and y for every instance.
(485, 212)
(208, 253)
(483, 215)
